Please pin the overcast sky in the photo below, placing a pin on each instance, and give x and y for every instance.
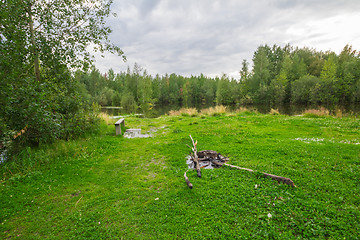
(189, 37)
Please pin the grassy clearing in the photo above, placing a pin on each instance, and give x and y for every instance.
(108, 187)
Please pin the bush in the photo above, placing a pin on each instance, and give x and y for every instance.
(43, 111)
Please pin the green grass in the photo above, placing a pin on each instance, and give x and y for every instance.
(108, 187)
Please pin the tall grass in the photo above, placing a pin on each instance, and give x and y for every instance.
(106, 118)
(214, 111)
(184, 112)
(274, 112)
(321, 112)
(245, 109)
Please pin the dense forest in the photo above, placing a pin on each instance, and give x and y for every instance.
(280, 75)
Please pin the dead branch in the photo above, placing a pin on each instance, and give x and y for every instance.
(284, 180)
(240, 168)
(188, 181)
(196, 158)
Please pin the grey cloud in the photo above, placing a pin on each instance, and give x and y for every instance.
(211, 37)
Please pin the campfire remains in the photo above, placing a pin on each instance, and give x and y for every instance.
(209, 158)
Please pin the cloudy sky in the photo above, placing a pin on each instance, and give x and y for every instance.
(189, 37)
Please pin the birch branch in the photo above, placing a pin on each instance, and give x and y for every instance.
(284, 180)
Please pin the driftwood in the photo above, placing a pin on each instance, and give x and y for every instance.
(285, 180)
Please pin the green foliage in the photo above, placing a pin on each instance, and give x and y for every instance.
(357, 92)
(298, 68)
(128, 102)
(223, 93)
(145, 93)
(244, 72)
(116, 99)
(186, 94)
(303, 89)
(281, 75)
(105, 96)
(278, 88)
(261, 76)
(39, 42)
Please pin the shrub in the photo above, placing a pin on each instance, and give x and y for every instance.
(44, 111)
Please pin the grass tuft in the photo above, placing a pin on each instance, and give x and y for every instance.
(214, 111)
(246, 111)
(106, 118)
(321, 112)
(192, 112)
(274, 112)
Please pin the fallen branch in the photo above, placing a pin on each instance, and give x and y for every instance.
(240, 168)
(188, 181)
(285, 180)
(196, 158)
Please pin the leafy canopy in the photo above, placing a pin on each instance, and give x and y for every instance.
(41, 41)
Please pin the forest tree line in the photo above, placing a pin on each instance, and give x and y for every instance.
(279, 75)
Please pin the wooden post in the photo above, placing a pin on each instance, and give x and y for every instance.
(118, 124)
